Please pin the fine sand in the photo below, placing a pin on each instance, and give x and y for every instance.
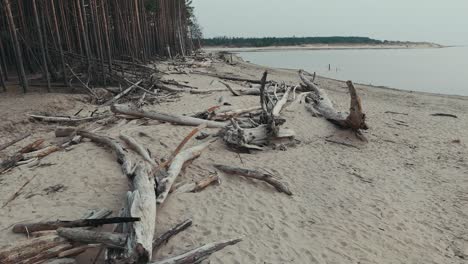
(400, 198)
(409, 45)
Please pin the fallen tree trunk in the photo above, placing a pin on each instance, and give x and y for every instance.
(126, 163)
(268, 178)
(65, 119)
(199, 254)
(132, 143)
(355, 120)
(176, 119)
(42, 226)
(94, 237)
(176, 165)
(30, 248)
(61, 261)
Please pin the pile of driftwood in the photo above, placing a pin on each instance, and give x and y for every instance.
(131, 240)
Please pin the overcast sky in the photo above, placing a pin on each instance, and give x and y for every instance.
(441, 21)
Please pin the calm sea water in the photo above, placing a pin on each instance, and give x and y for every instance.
(442, 70)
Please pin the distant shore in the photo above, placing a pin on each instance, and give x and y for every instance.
(422, 45)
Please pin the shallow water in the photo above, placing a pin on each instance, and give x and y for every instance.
(443, 70)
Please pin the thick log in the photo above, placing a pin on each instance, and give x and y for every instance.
(199, 254)
(122, 159)
(176, 165)
(176, 119)
(138, 148)
(41, 153)
(142, 205)
(14, 141)
(47, 254)
(65, 131)
(355, 120)
(93, 237)
(30, 248)
(65, 119)
(61, 261)
(158, 242)
(53, 225)
(268, 178)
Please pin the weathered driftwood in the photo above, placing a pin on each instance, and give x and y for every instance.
(126, 163)
(76, 250)
(260, 134)
(122, 94)
(229, 78)
(158, 242)
(142, 204)
(355, 120)
(199, 254)
(30, 248)
(14, 141)
(41, 153)
(10, 162)
(133, 144)
(86, 236)
(176, 119)
(182, 144)
(443, 114)
(36, 145)
(223, 116)
(280, 104)
(266, 177)
(65, 119)
(53, 225)
(61, 261)
(176, 165)
(46, 254)
(65, 131)
(235, 93)
(197, 186)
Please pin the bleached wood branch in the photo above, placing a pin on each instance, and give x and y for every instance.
(176, 119)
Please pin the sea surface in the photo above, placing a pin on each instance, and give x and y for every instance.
(433, 70)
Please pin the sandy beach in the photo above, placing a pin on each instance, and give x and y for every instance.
(411, 45)
(401, 197)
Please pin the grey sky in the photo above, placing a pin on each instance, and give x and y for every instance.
(441, 21)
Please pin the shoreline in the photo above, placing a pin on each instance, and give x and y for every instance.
(326, 47)
(383, 87)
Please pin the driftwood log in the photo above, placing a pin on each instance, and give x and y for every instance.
(176, 166)
(158, 242)
(14, 141)
(175, 119)
(199, 254)
(86, 236)
(321, 103)
(42, 226)
(266, 177)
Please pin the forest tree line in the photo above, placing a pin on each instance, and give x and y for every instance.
(289, 41)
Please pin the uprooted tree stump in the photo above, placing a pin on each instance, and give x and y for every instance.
(322, 105)
(258, 132)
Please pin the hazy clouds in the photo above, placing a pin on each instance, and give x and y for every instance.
(445, 22)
